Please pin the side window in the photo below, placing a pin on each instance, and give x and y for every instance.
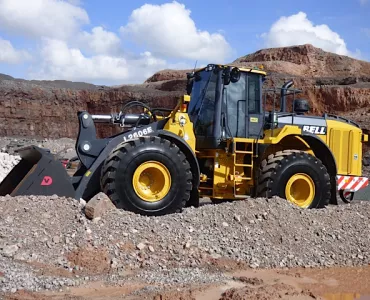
(235, 102)
(204, 123)
(254, 94)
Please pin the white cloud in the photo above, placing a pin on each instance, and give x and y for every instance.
(100, 41)
(62, 62)
(10, 55)
(65, 50)
(41, 18)
(298, 29)
(169, 31)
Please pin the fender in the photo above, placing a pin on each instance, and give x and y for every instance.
(184, 147)
(323, 152)
(317, 145)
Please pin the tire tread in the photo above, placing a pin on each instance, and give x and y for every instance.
(110, 168)
(270, 165)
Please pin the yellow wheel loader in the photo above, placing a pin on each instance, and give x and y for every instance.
(219, 142)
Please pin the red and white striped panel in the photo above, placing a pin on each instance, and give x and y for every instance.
(351, 183)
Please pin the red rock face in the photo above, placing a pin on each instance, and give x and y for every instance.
(41, 111)
(332, 83)
(305, 61)
(168, 75)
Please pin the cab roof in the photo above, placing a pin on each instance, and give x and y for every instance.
(249, 70)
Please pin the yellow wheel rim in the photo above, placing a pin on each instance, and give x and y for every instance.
(151, 181)
(300, 190)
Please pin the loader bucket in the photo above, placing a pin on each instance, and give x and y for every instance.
(38, 173)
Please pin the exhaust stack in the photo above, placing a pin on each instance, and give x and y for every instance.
(284, 88)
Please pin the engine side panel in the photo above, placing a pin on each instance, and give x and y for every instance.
(343, 138)
(345, 141)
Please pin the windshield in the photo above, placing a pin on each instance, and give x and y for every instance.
(200, 82)
(202, 104)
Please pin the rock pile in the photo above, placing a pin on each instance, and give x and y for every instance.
(257, 233)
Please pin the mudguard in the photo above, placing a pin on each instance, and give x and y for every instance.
(323, 152)
(184, 147)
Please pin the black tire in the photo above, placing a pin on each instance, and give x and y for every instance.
(194, 200)
(119, 168)
(278, 168)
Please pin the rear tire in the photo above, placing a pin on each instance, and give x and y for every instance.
(296, 176)
(149, 176)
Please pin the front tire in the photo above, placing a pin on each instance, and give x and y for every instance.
(296, 176)
(149, 176)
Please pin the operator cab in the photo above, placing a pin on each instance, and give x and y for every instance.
(225, 102)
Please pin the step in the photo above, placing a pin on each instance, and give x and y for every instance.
(244, 178)
(241, 196)
(243, 165)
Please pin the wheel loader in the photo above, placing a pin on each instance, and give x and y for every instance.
(219, 142)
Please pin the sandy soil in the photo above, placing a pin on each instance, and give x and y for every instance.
(298, 284)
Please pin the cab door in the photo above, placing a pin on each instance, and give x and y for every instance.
(242, 101)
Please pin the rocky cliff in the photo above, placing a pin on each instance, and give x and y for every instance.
(306, 60)
(332, 83)
(49, 109)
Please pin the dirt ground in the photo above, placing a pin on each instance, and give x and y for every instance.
(334, 283)
(342, 283)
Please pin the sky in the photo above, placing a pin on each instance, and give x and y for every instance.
(115, 42)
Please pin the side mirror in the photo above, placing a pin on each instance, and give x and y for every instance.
(189, 83)
(227, 76)
(235, 75)
(231, 75)
(198, 77)
(301, 106)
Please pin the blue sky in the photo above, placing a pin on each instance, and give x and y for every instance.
(117, 42)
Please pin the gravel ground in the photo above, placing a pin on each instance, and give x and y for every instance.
(260, 233)
(53, 233)
(22, 277)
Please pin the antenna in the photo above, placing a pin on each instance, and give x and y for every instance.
(195, 65)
